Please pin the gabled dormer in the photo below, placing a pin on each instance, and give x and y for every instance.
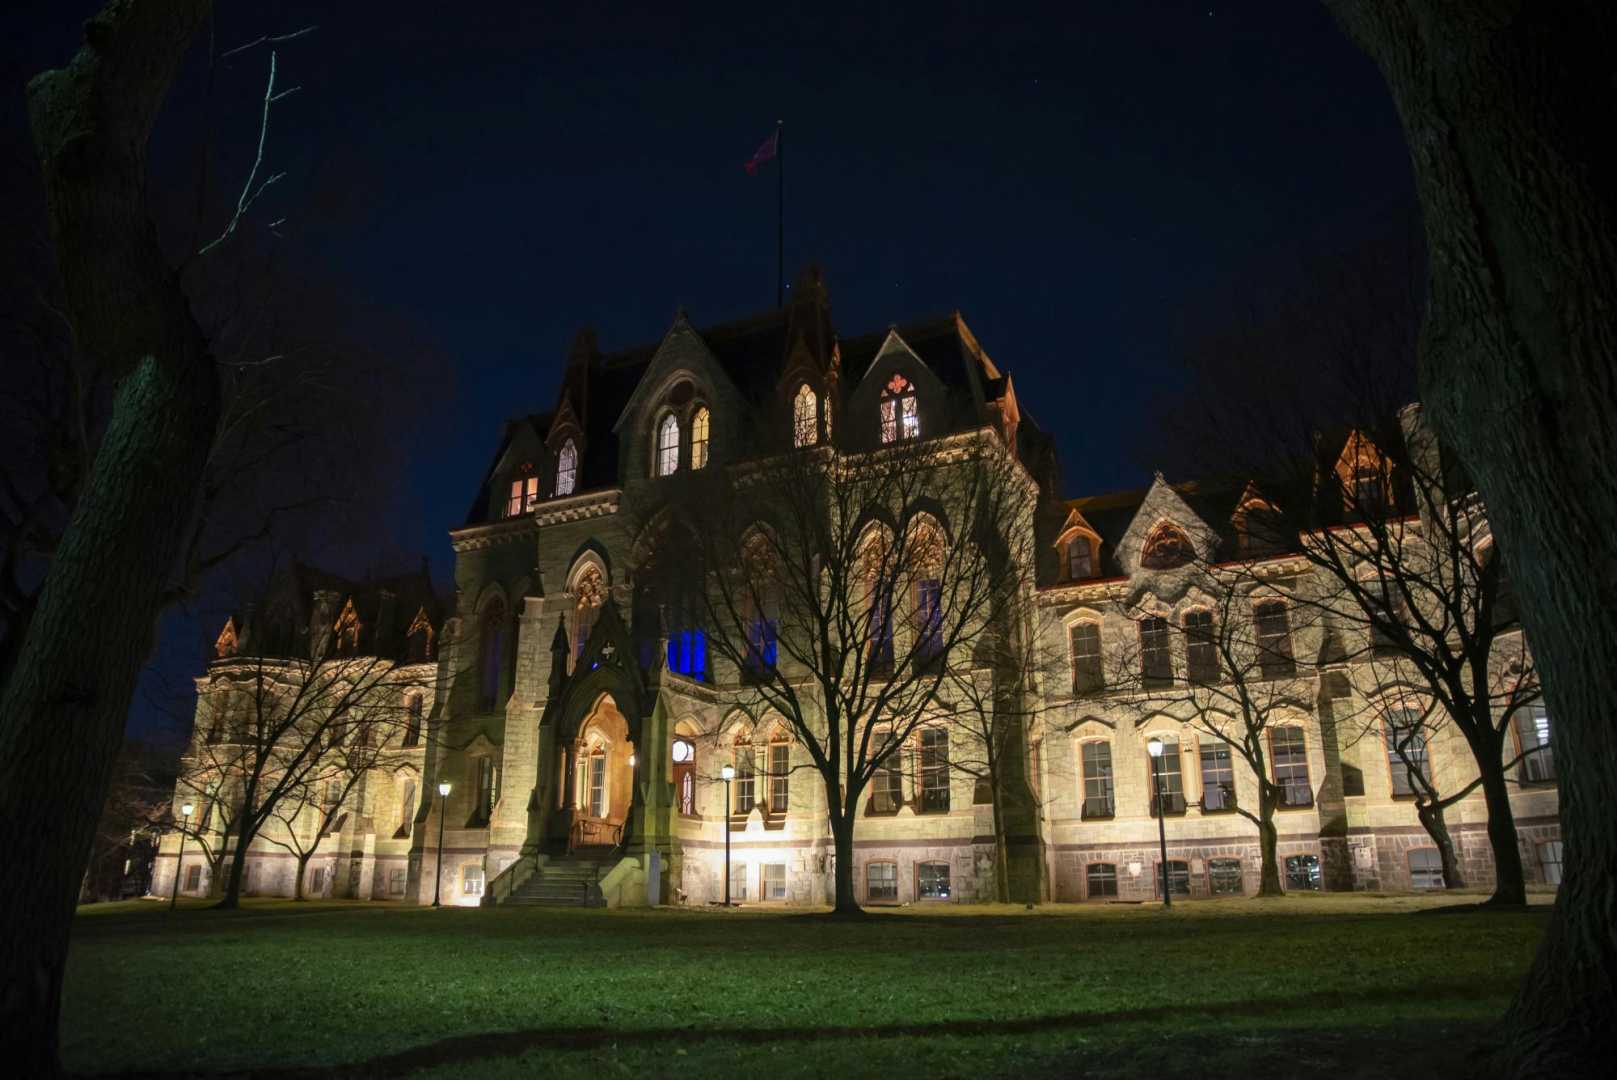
(1363, 475)
(1258, 523)
(1166, 534)
(676, 419)
(566, 441)
(898, 400)
(1077, 546)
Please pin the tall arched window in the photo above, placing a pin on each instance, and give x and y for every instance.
(899, 416)
(491, 645)
(745, 794)
(699, 426)
(567, 468)
(406, 808)
(589, 592)
(804, 407)
(668, 445)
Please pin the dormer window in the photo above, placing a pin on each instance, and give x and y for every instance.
(567, 468)
(1369, 494)
(804, 407)
(668, 445)
(1166, 548)
(1078, 557)
(699, 438)
(899, 417)
(524, 491)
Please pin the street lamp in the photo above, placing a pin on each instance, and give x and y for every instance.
(728, 772)
(443, 812)
(179, 860)
(1154, 748)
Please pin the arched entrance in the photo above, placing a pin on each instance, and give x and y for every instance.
(601, 784)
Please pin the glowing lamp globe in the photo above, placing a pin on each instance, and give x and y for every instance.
(443, 789)
(728, 772)
(1154, 747)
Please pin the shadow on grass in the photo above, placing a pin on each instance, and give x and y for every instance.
(464, 1050)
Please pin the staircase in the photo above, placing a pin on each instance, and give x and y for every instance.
(564, 881)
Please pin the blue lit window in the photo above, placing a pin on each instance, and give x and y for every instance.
(687, 653)
(761, 645)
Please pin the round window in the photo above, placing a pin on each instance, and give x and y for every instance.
(683, 751)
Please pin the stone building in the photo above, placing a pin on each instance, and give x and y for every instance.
(582, 739)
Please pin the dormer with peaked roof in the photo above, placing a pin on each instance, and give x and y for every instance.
(682, 409)
(1077, 547)
(1166, 534)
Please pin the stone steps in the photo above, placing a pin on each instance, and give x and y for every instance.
(562, 882)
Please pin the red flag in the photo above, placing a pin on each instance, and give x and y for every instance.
(764, 153)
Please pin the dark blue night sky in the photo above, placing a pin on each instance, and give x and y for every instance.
(1086, 182)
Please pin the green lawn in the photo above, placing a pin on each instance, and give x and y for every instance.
(1360, 986)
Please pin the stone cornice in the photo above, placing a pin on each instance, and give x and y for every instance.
(591, 504)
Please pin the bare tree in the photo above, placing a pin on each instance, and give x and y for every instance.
(994, 709)
(1228, 670)
(1413, 585)
(835, 586)
(282, 731)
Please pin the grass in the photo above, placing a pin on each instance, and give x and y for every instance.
(1361, 986)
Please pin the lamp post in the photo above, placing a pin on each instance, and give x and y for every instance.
(1154, 748)
(728, 772)
(179, 860)
(438, 868)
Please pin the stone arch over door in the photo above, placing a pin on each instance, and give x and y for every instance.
(601, 759)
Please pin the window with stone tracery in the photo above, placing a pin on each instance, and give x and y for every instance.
(699, 438)
(668, 445)
(589, 593)
(805, 406)
(567, 468)
(900, 419)
(1166, 548)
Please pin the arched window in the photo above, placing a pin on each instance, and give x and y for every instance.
(1166, 548)
(567, 468)
(1078, 557)
(746, 770)
(589, 593)
(491, 644)
(683, 753)
(780, 769)
(699, 426)
(406, 808)
(1274, 639)
(804, 407)
(668, 445)
(899, 417)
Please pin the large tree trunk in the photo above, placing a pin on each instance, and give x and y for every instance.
(1268, 847)
(1508, 110)
(63, 707)
(842, 837)
(1436, 825)
(303, 870)
(1002, 870)
(1510, 879)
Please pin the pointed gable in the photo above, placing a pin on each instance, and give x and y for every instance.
(227, 643)
(1162, 519)
(682, 350)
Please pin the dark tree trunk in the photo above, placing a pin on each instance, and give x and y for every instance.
(1508, 110)
(842, 836)
(303, 870)
(1268, 845)
(1437, 827)
(1510, 879)
(63, 707)
(1002, 879)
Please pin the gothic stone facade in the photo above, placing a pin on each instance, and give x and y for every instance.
(561, 725)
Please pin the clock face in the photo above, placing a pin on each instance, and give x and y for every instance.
(682, 751)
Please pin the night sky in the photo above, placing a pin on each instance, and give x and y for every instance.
(1087, 184)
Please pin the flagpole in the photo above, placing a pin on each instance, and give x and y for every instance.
(780, 214)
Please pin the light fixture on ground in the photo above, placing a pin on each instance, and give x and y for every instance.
(1154, 748)
(728, 772)
(186, 810)
(438, 869)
